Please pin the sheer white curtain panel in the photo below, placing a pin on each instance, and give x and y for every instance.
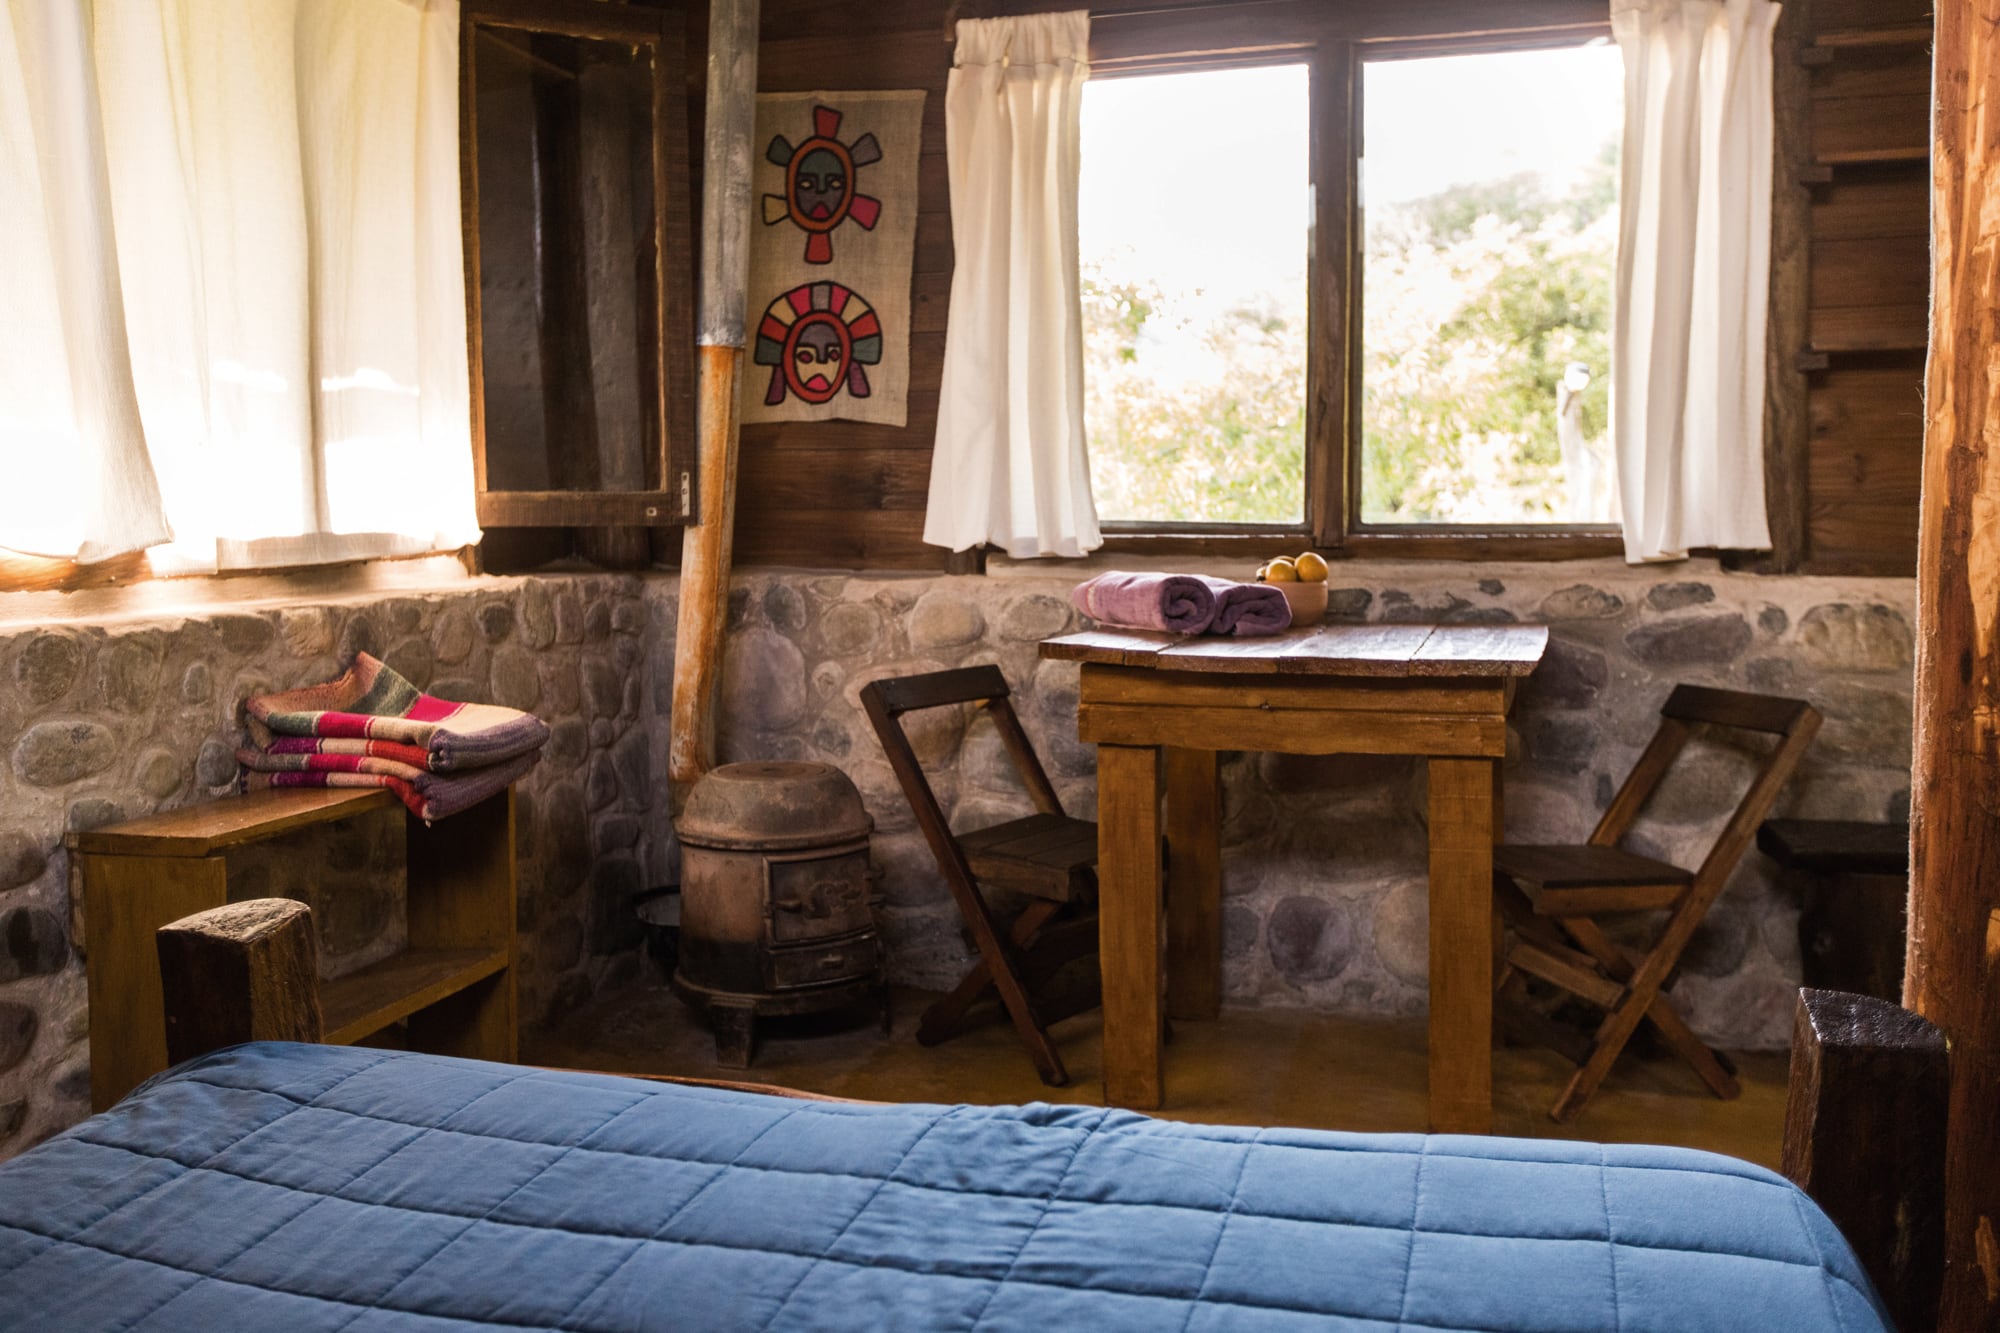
(1693, 276)
(78, 483)
(285, 174)
(1010, 466)
(239, 271)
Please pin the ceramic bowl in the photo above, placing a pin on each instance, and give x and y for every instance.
(1308, 601)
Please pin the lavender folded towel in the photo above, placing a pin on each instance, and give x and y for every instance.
(1246, 609)
(1178, 603)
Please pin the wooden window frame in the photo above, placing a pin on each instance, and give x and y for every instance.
(1335, 45)
(662, 29)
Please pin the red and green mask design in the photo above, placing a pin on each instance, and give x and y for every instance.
(819, 184)
(816, 338)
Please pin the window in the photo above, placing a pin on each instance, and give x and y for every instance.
(1360, 292)
(1488, 244)
(1193, 231)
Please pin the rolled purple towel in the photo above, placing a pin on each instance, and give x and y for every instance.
(1177, 603)
(1246, 609)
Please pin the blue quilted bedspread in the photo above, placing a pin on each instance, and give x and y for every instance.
(277, 1187)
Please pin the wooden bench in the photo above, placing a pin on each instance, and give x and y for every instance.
(1853, 882)
(452, 985)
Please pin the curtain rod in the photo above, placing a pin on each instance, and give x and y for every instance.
(952, 14)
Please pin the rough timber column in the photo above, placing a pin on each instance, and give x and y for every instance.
(1954, 956)
(720, 323)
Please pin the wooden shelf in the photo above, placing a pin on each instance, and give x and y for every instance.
(1849, 39)
(1821, 170)
(368, 1000)
(454, 983)
(1821, 358)
(1862, 157)
(202, 830)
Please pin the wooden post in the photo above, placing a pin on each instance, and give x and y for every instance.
(1131, 936)
(1953, 973)
(720, 335)
(1864, 1136)
(1194, 884)
(247, 971)
(1465, 823)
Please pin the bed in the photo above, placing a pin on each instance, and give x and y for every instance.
(283, 1186)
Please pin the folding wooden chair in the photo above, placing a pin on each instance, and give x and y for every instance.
(1047, 856)
(1552, 897)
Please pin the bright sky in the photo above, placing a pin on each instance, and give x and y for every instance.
(1433, 123)
(1176, 192)
(1200, 180)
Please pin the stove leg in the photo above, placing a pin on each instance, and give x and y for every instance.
(735, 1034)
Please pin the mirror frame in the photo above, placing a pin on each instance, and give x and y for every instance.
(660, 29)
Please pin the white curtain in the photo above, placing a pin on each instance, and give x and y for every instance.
(283, 181)
(1010, 466)
(1694, 253)
(77, 482)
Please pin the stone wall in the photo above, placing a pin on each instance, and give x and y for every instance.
(1324, 857)
(115, 719)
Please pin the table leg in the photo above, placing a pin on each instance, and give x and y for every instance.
(1194, 885)
(1464, 819)
(1129, 922)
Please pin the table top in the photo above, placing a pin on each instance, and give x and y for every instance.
(1321, 650)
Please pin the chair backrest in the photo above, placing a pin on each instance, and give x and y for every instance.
(886, 701)
(935, 689)
(1793, 721)
(1735, 708)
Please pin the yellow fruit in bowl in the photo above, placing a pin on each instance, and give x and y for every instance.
(1312, 568)
(1281, 571)
(1262, 571)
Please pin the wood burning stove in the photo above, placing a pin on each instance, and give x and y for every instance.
(775, 904)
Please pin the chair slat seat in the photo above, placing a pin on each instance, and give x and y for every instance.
(1582, 879)
(1046, 856)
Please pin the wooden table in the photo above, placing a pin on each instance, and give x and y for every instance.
(1158, 707)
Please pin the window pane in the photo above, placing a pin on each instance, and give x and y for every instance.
(1194, 219)
(1490, 227)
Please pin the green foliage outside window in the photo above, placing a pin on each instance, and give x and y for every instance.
(1480, 304)
(1225, 447)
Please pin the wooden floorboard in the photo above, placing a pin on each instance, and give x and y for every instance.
(1250, 1067)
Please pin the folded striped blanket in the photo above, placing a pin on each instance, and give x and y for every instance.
(301, 754)
(370, 702)
(430, 796)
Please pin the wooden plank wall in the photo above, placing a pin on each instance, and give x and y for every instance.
(845, 494)
(1869, 258)
(848, 495)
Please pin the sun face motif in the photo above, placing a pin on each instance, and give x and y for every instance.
(816, 338)
(819, 184)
